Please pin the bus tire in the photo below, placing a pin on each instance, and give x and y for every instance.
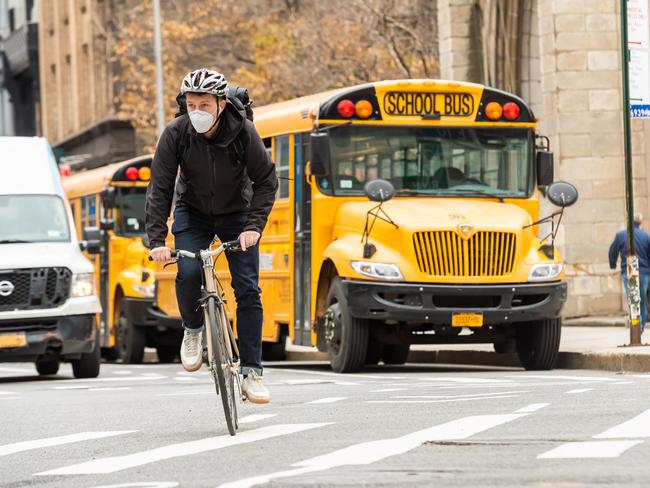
(275, 351)
(166, 354)
(348, 343)
(395, 353)
(47, 367)
(129, 338)
(538, 343)
(87, 366)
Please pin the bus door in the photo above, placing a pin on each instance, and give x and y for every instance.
(302, 244)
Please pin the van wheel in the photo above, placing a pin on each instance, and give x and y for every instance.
(347, 337)
(87, 366)
(538, 343)
(129, 339)
(46, 367)
(395, 353)
(166, 354)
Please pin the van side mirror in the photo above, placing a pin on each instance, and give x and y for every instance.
(544, 168)
(92, 240)
(319, 153)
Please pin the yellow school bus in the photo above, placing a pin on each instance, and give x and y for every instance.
(108, 208)
(407, 213)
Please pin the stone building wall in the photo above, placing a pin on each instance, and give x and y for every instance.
(570, 72)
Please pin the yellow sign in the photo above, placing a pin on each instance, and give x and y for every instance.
(428, 104)
(17, 339)
(467, 320)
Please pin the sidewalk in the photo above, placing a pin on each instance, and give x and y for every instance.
(589, 343)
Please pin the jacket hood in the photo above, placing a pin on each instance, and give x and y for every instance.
(231, 122)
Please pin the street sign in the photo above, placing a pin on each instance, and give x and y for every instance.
(638, 23)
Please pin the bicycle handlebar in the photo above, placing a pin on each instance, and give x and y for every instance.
(225, 246)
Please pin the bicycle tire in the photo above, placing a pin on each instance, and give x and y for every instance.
(220, 368)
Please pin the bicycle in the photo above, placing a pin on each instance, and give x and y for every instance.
(223, 353)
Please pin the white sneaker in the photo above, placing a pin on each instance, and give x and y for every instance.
(192, 350)
(253, 389)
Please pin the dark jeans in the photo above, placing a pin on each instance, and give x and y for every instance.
(194, 231)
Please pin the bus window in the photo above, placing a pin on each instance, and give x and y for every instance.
(282, 165)
(130, 210)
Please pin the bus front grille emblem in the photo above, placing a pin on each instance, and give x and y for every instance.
(465, 230)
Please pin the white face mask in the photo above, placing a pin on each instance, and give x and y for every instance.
(202, 121)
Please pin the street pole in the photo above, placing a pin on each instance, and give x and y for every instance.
(634, 297)
(157, 45)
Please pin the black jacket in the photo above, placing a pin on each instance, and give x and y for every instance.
(212, 180)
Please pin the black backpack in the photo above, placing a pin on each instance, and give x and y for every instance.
(239, 98)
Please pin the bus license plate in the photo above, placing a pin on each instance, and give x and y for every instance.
(17, 339)
(467, 320)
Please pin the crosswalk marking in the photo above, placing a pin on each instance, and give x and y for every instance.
(326, 400)
(564, 377)
(120, 463)
(7, 393)
(256, 417)
(589, 449)
(579, 390)
(386, 390)
(456, 379)
(463, 399)
(373, 451)
(634, 428)
(533, 407)
(470, 395)
(57, 441)
(111, 388)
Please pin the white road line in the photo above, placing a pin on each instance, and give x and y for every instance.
(188, 393)
(444, 401)
(634, 428)
(185, 378)
(373, 451)
(70, 387)
(623, 383)
(468, 395)
(121, 371)
(336, 375)
(465, 380)
(590, 449)
(558, 377)
(7, 393)
(16, 370)
(256, 417)
(326, 400)
(111, 388)
(386, 390)
(533, 407)
(120, 463)
(123, 378)
(579, 390)
(11, 398)
(57, 441)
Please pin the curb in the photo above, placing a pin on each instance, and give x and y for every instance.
(638, 363)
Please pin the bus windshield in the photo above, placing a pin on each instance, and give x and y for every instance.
(33, 218)
(130, 208)
(430, 161)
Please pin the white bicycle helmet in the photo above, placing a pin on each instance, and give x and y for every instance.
(205, 81)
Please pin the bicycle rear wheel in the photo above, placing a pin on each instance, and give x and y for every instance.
(221, 366)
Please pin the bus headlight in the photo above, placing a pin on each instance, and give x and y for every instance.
(82, 285)
(381, 271)
(146, 291)
(544, 272)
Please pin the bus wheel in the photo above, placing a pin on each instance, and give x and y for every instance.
(50, 366)
(538, 343)
(129, 339)
(395, 353)
(87, 366)
(166, 354)
(347, 337)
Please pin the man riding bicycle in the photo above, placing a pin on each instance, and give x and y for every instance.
(218, 192)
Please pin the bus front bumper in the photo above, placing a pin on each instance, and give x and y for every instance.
(435, 304)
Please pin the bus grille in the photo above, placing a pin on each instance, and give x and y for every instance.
(445, 253)
(35, 288)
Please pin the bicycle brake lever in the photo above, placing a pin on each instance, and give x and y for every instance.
(169, 263)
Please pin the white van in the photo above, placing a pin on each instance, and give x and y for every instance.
(47, 303)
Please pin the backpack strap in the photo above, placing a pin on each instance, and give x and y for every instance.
(183, 143)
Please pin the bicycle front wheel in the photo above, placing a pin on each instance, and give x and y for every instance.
(221, 365)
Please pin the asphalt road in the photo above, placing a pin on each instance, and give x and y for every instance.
(157, 426)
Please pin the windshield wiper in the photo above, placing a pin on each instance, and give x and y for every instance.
(411, 193)
(472, 191)
(13, 241)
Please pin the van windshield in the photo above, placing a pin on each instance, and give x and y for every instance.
(33, 218)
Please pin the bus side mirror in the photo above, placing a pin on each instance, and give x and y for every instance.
(562, 194)
(108, 197)
(92, 240)
(544, 168)
(319, 153)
